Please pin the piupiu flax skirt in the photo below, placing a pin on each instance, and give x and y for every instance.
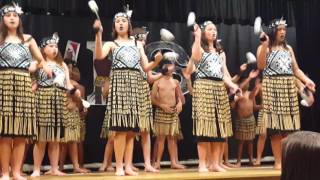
(73, 127)
(146, 116)
(166, 124)
(211, 109)
(52, 113)
(261, 127)
(245, 128)
(82, 129)
(123, 107)
(280, 103)
(17, 104)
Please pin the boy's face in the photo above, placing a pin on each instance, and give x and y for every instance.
(170, 68)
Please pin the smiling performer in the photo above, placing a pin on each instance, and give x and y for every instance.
(123, 109)
(279, 95)
(17, 103)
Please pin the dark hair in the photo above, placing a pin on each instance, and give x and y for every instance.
(301, 156)
(114, 33)
(205, 45)
(58, 59)
(272, 33)
(4, 29)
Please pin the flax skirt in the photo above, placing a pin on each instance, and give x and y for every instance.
(123, 106)
(211, 111)
(17, 104)
(280, 104)
(52, 113)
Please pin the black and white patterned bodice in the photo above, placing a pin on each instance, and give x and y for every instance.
(14, 55)
(58, 73)
(279, 62)
(126, 56)
(210, 66)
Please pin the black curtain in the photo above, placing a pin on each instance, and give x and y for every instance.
(234, 18)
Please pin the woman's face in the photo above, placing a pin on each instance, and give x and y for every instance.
(121, 25)
(211, 32)
(281, 33)
(51, 50)
(11, 20)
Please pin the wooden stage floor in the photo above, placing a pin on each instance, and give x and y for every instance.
(244, 173)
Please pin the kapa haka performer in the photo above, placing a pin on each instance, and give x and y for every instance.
(17, 103)
(123, 113)
(280, 102)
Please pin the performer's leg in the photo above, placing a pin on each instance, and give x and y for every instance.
(239, 154)
(128, 154)
(38, 154)
(146, 147)
(216, 148)
(250, 151)
(161, 140)
(202, 153)
(53, 153)
(119, 148)
(17, 157)
(5, 154)
(276, 150)
(62, 155)
(73, 154)
(107, 159)
(260, 147)
(172, 148)
(222, 152)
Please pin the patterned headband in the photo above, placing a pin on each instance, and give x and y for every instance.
(12, 8)
(54, 39)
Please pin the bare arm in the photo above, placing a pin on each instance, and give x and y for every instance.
(262, 52)
(196, 46)
(75, 74)
(154, 94)
(145, 64)
(299, 73)
(153, 77)
(226, 75)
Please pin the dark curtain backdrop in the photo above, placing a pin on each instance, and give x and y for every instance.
(234, 18)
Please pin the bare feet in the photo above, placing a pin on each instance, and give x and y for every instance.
(224, 166)
(229, 165)
(177, 166)
(110, 169)
(216, 168)
(129, 171)
(55, 173)
(151, 169)
(120, 172)
(18, 177)
(102, 168)
(35, 173)
(238, 164)
(257, 163)
(157, 165)
(277, 166)
(81, 170)
(134, 168)
(203, 169)
(5, 177)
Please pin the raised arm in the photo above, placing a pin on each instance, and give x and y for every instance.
(100, 51)
(262, 52)
(145, 64)
(196, 46)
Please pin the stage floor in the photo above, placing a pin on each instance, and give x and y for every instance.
(244, 173)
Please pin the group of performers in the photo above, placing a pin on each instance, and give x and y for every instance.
(40, 103)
